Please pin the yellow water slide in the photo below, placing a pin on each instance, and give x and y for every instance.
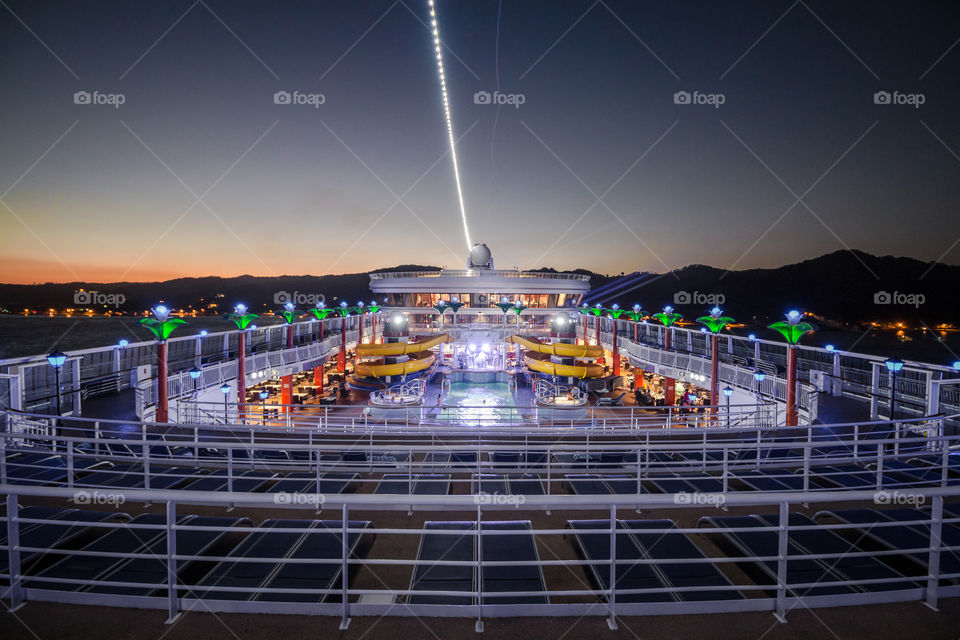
(401, 348)
(541, 363)
(558, 348)
(378, 369)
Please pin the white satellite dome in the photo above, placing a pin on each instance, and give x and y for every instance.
(480, 257)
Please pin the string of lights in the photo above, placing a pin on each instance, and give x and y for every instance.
(446, 111)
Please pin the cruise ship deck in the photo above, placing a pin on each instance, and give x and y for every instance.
(478, 445)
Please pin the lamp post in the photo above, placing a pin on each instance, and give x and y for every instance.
(162, 325)
(615, 312)
(894, 365)
(242, 319)
(759, 376)
(195, 375)
(225, 390)
(667, 318)
(792, 330)
(727, 391)
(320, 312)
(715, 322)
(263, 406)
(636, 314)
(56, 360)
(372, 310)
(359, 309)
(289, 314)
(344, 312)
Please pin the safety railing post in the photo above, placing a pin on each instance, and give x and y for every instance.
(781, 608)
(726, 468)
(879, 467)
(230, 470)
(856, 442)
(612, 595)
(70, 467)
(345, 565)
(13, 552)
(145, 449)
(896, 439)
(933, 559)
(173, 603)
(479, 625)
(944, 465)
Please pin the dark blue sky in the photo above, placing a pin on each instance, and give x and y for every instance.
(102, 193)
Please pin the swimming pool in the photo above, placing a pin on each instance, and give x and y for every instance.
(479, 403)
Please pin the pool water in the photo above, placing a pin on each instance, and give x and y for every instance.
(478, 403)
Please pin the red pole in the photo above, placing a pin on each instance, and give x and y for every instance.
(792, 417)
(715, 371)
(373, 328)
(161, 382)
(360, 333)
(286, 392)
(318, 377)
(242, 372)
(616, 351)
(666, 338)
(584, 330)
(342, 356)
(289, 336)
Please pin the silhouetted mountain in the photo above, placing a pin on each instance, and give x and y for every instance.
(847, 286)
(844, 286)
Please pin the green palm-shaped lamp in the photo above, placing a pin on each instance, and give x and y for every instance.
(240, 317)
(320, 312)
(792, 330)
(667, 317)
(162, 325)
(505, 305)
(715, 321)
(344, 310)
(289, 313)
(636, 314)
(615, 311)
(455, 305)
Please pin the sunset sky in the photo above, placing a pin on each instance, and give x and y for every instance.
(199, 172)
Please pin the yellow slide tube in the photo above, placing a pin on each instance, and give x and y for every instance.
(559, 348)
(379, 370)
(401, 348)
(564, 370)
